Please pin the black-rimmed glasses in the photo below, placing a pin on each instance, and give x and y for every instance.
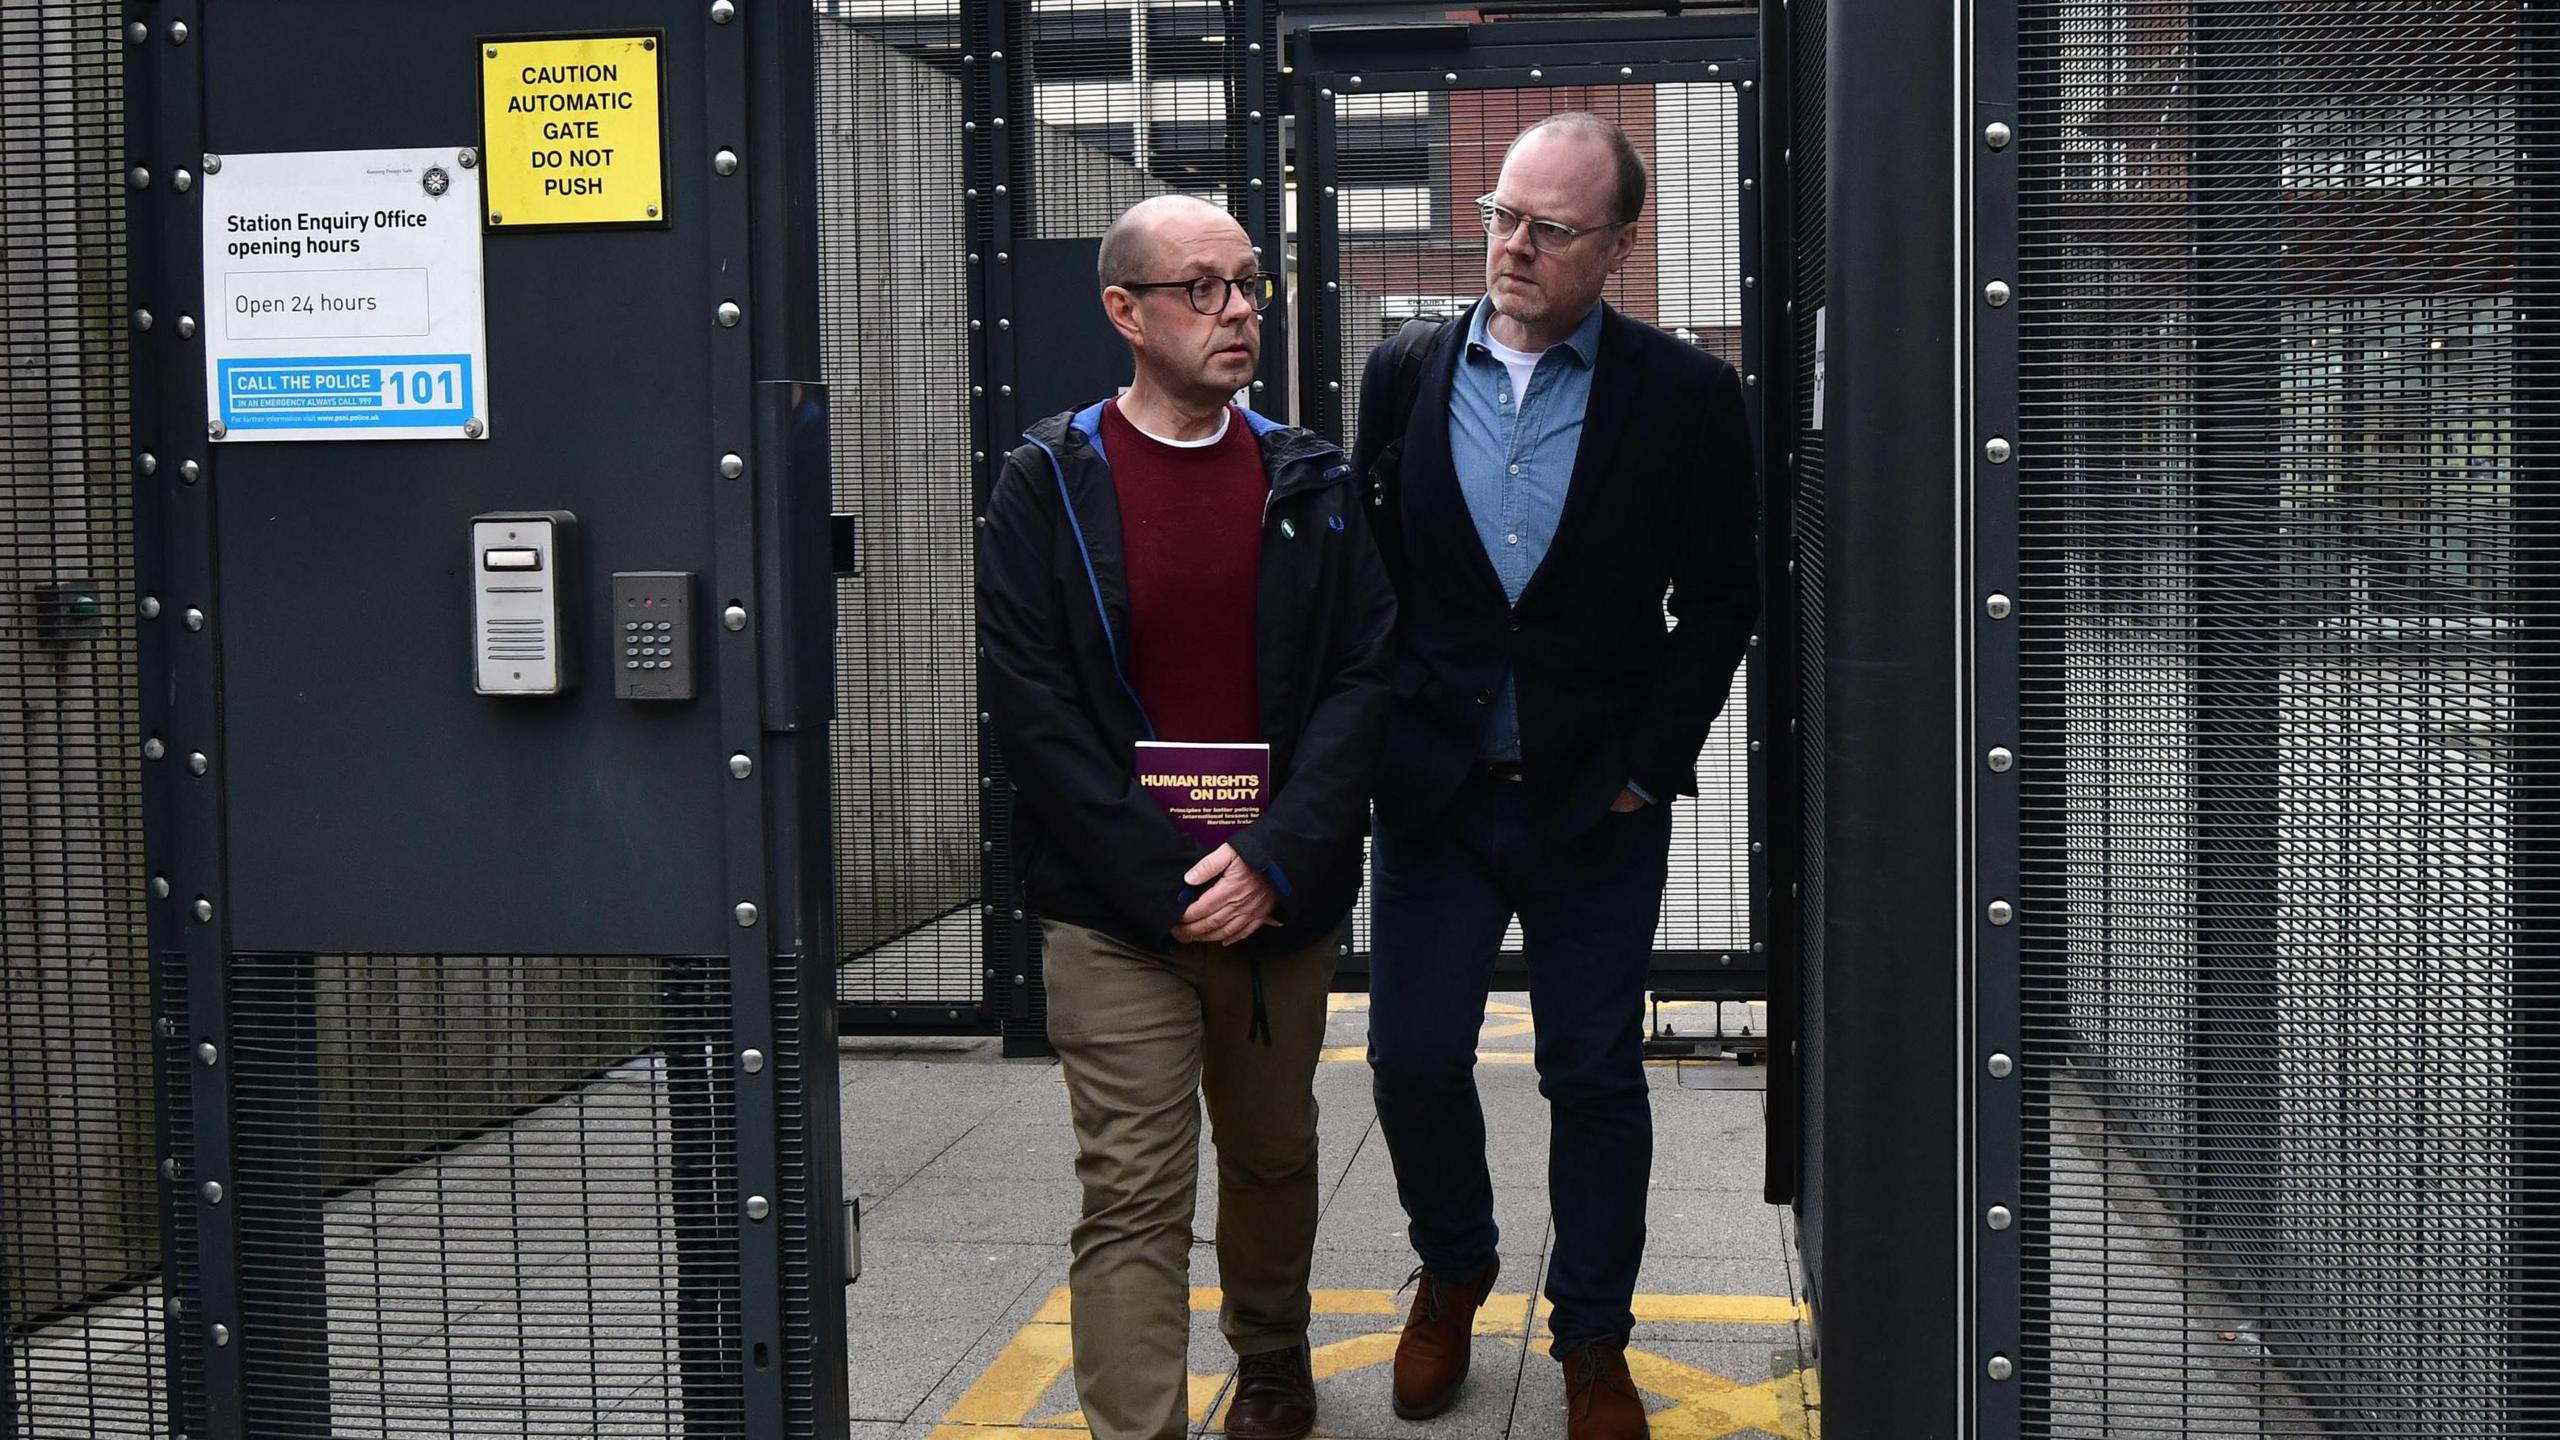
(1208, 293)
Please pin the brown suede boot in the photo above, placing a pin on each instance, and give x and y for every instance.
(1439, 1336)
(1601, 1401)
(1275, 1396)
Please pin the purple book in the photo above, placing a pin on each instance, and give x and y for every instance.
(1211, 791)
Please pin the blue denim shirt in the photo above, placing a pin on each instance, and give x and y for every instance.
(1514, 455)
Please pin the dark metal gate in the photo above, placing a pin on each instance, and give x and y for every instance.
(1398, 129)
(384, 1057)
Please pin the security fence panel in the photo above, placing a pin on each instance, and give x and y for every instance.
(471, 716)
(82, 1350)
(1399, 129)
(2262, 293)
(893, 297)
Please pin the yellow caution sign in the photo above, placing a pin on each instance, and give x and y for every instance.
(573, 132)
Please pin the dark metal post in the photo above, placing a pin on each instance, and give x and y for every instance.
(182, 814)
(2237, 309)
(1893, 1324)
(1777, 677)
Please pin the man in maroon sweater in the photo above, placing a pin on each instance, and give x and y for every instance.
(1169, 566)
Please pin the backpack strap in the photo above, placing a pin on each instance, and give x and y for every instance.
(1408, 353)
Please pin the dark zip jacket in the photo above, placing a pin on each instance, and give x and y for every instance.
(1094, 849)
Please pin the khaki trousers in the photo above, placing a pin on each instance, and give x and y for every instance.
(1142, 1037)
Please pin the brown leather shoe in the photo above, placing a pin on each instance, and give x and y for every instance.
(1601, 1401)
(1439, 1336)
(1275, 1396)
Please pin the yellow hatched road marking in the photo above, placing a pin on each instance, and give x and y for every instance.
(1005, 1401)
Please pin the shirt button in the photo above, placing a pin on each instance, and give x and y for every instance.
(1515, 469)
(1510, 539)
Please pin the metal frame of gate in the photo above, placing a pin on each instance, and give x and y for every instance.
(751, 1333)
(1379, 59)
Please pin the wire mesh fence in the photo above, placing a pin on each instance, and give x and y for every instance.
(2285, 495)
(79, 1221)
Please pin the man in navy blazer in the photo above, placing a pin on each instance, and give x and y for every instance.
(1566, 471)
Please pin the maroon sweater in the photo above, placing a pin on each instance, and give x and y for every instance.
(1191, 535)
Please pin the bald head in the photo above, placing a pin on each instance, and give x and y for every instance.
(1132, 249)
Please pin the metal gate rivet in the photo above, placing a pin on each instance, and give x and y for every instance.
(1450, 77)
(1997, 607)
(2001, 912)
(169, 1168)
(2000, 1066)
(1998, 1217)
(2000, 1368)
(746, 913)
(189, 471)
(742, 765)
(152, 749)
(138, 177)
(1537, 74)
(735, 617)
(197, 764)
(1996, 293)
(1996, 450)
(752, 1061)
(217, 429)
(722, 12)
(997, 122)
(995, 55)
(148, 464)
(186, 327)
(212, 163)
(159, 887)
(212, 1192)
(1355, 79)
(136, 33)
(183, 181)
(758, 1207)
(1997, 135)
(178, 32)
(729, 313)
(2001, 758)
(1746, 86)
(204, 910)
(1626, 72)
(1746, 184)
(1328, 94)
(1751, 381)
(221, 1336)
(194, 619)
(1715, 69)
(141, 319)
(208, 1054)
(732, 466)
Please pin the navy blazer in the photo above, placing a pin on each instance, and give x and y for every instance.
(1663, 503)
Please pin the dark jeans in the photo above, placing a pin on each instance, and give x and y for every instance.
(1443, 897)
